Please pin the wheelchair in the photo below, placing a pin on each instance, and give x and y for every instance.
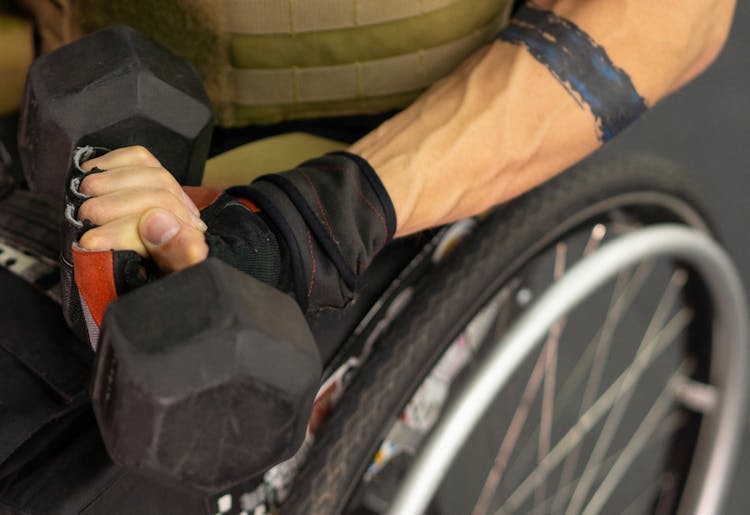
(581, 349)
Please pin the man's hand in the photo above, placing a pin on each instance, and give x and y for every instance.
(128, 222)
(138, 205)
(309, 231)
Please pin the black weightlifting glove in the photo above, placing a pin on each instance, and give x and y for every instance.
(332, 215)
(309, 231)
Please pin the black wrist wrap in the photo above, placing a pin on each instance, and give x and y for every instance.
(334, 215)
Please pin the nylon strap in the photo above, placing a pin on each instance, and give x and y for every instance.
(254, 17)
(299, 58)
(388, 76)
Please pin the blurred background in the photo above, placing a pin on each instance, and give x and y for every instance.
(705, 128)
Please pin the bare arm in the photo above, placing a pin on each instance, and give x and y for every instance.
(503, 123)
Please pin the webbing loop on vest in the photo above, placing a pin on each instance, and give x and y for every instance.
(253, 17)
(379, 77)
(263, 61)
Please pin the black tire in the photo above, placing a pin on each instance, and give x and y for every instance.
(654, 190)
(32, 223)
(30, 228)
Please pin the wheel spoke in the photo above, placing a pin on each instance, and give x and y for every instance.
(564, 490)
(626, 287)
(544, 368)
(601, 468)
(550, 369)
(626, 381)
(667, 494)
(653, 420)
(697, 396)
(598, 232)
(625, 291)
(495, 474)
(612, 423)
(637, 507)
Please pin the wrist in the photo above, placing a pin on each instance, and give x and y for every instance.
(334, 215)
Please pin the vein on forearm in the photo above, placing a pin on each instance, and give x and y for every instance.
(502, 123)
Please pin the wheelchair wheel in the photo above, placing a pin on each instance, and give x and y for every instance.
(581, 351)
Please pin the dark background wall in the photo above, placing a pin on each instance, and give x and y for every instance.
(706, 128)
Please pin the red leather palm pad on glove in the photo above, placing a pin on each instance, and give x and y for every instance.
(100, 276)
(95, 280)
(90, 279)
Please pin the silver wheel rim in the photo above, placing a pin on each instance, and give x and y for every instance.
(720, 429)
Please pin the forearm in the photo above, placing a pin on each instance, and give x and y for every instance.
(502, 123)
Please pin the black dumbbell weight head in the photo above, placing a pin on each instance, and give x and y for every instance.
(206, 376)
(113, 88)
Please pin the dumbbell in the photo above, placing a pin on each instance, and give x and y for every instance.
(206, 376)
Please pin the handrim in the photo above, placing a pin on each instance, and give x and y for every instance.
(719, 434)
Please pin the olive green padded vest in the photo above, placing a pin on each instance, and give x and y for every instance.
(264, 61)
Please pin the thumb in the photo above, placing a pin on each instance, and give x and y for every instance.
(172, 244)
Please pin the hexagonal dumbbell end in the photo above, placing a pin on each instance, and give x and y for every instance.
(206, 376)
(113, 88)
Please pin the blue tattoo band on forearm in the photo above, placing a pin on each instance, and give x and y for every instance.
(581, 66)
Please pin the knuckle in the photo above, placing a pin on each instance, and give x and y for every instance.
(165, 179)
(93, 241)
(88, 210)
(143, 156)
(89, 184)
(89, 165)
(140, 151)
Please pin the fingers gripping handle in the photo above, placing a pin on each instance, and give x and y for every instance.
(90, 280)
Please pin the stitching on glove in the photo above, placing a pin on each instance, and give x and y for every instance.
(320, 206)
(315, 225)
(361, 195)
(313, 265)
(377, 186)
(369, 204)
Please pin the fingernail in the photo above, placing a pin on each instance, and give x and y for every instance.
(198, 223)
(161, 227)
(190, 204)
